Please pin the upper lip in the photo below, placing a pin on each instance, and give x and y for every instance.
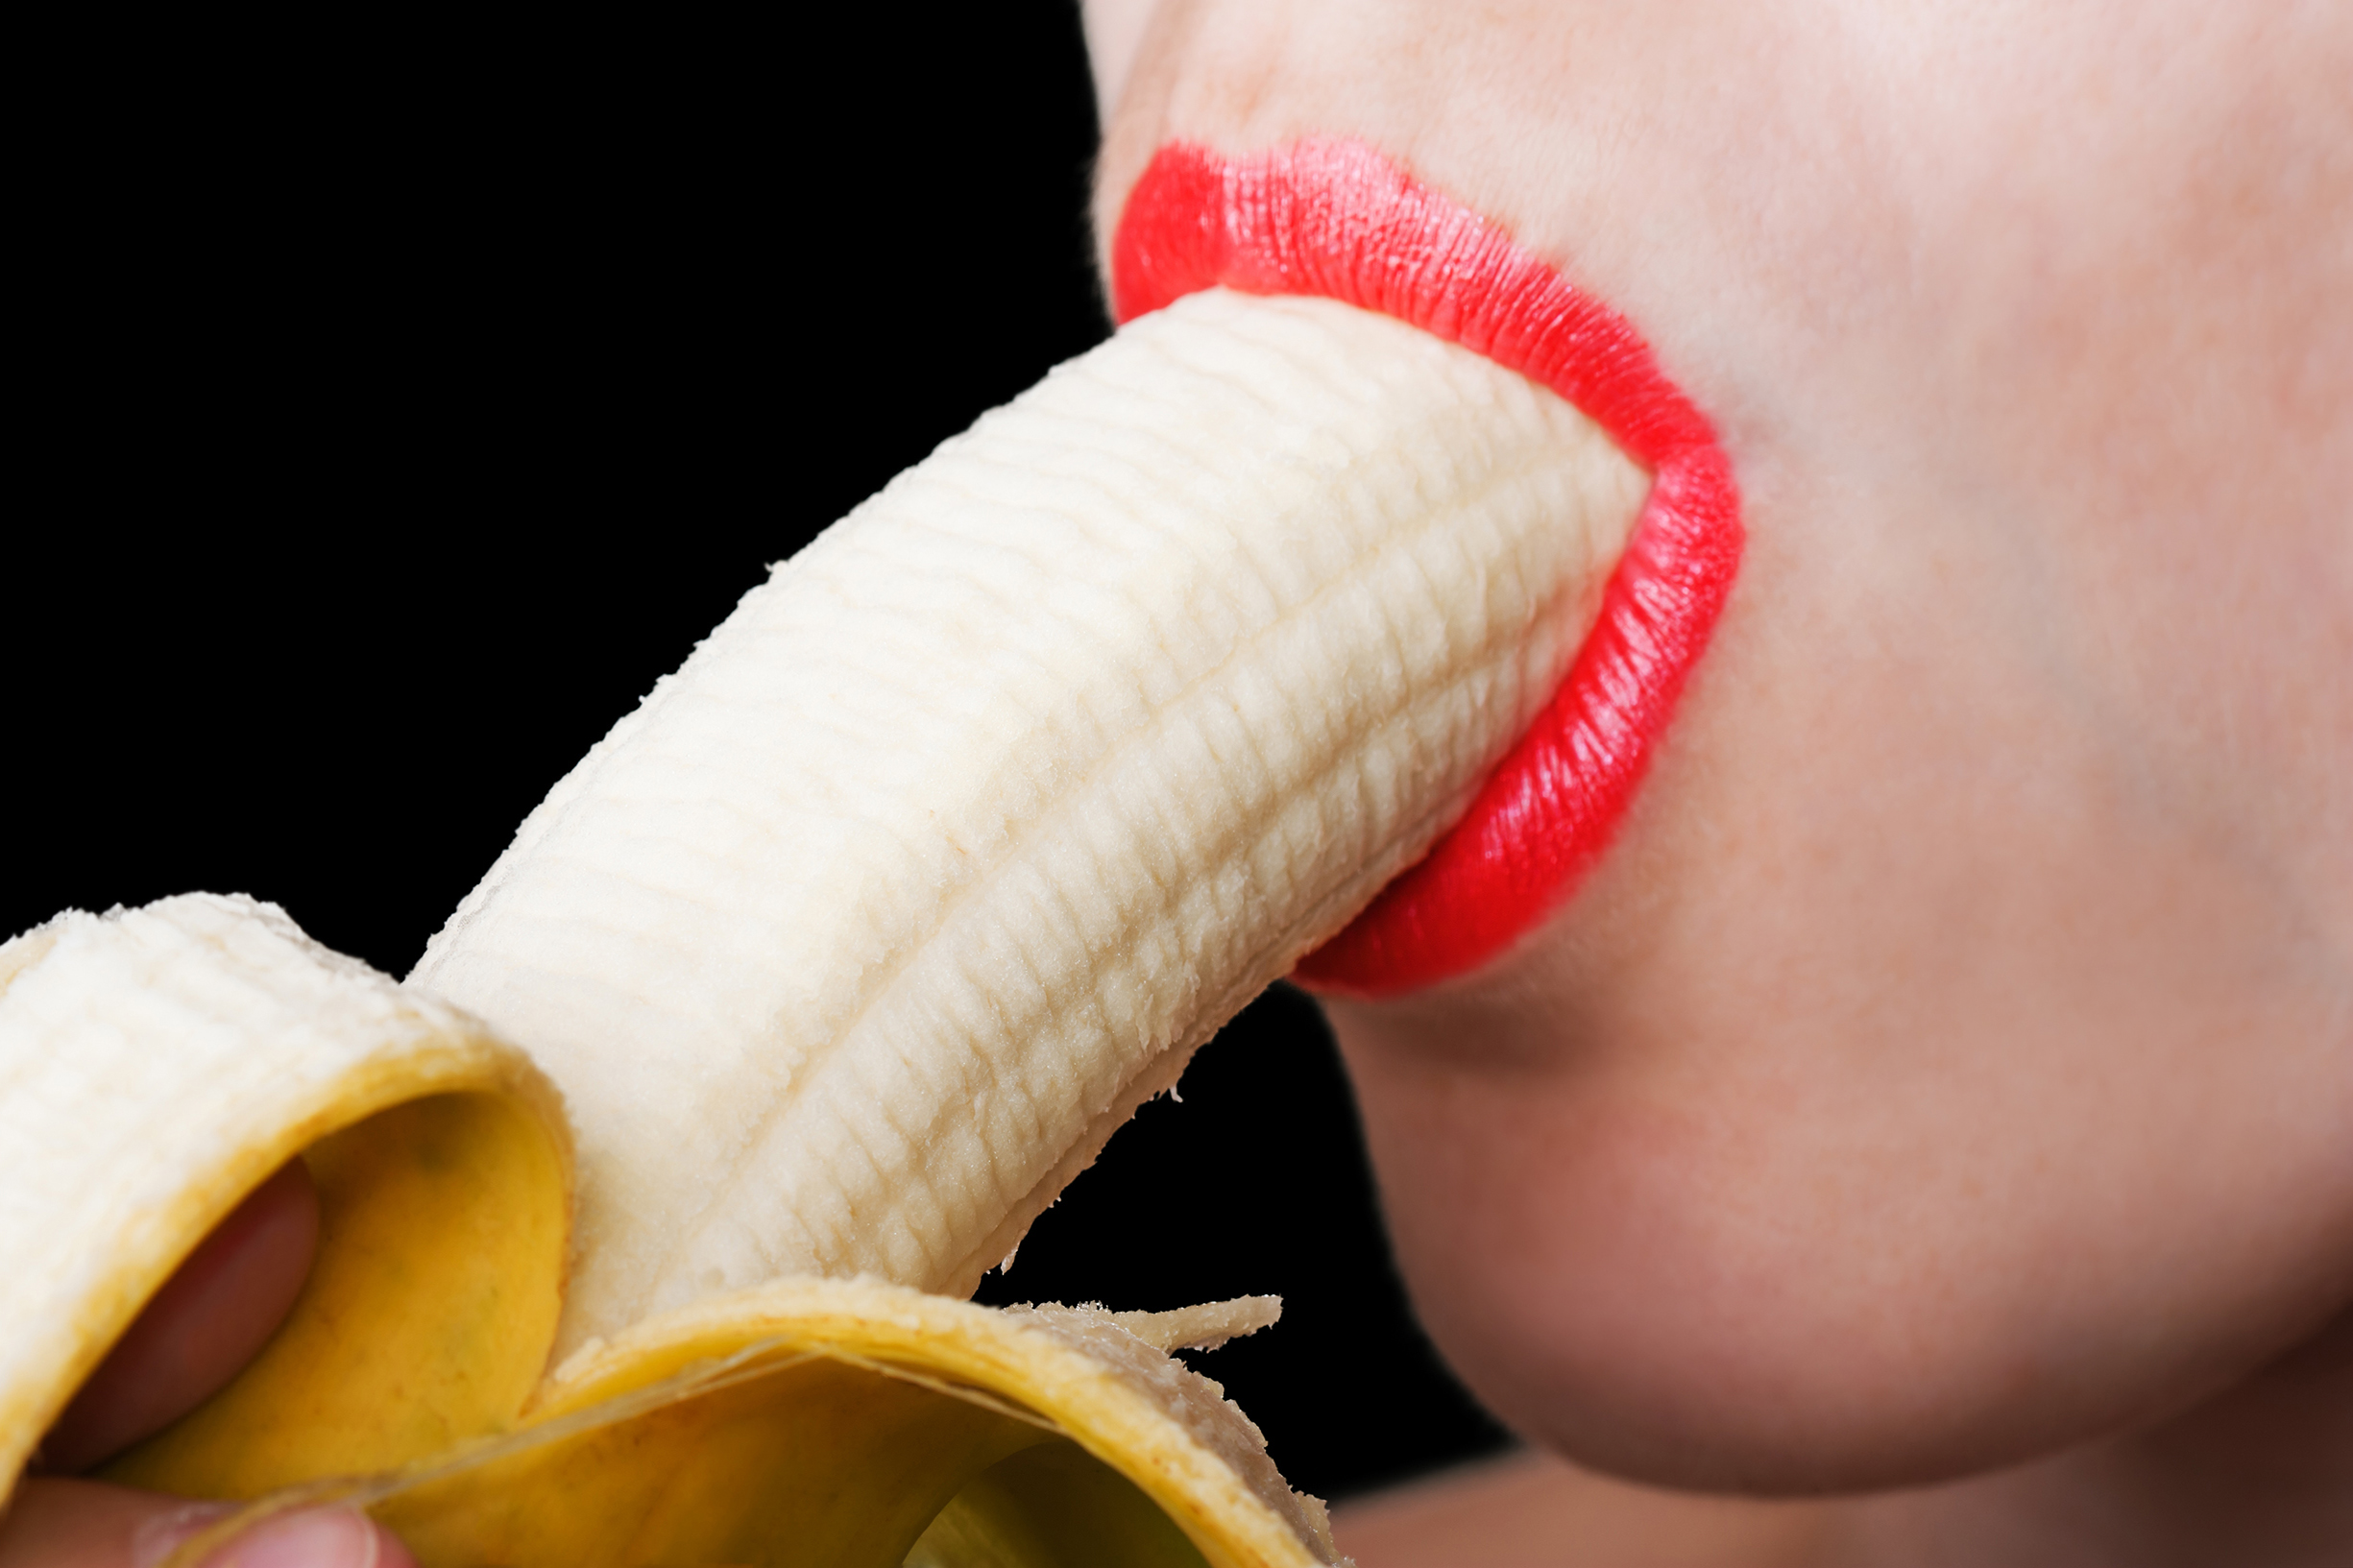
(1338, 219)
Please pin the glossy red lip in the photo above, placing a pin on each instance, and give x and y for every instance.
(1337, 219)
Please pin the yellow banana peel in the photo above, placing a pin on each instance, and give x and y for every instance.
(848, 1422)
(835, 962)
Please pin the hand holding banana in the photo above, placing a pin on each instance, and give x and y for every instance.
(845, 953)
(1750, 1174)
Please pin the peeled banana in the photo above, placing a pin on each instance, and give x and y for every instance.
(829, 967)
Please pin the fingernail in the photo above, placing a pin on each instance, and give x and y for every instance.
(158, 1535)
(314, 1538)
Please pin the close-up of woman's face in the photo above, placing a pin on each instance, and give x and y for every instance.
(1951, 1056)
(1816, 887)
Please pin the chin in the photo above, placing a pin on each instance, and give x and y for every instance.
(1685, 1293)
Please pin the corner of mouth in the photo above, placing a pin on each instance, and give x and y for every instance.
(1338, 219)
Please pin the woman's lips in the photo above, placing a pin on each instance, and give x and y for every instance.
(1337, 219)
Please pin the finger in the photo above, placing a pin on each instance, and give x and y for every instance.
(212, 1318)
(315, 1538)
(82, 1524)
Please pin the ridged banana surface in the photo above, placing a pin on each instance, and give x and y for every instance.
(833, 963)
(854, 944)
(162, 1062)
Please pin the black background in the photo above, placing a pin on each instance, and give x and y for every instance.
(396, 409)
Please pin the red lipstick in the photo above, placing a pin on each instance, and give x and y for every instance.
(1337, 219)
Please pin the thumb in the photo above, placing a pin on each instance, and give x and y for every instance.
(84, 1524)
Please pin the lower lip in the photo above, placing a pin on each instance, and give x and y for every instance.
(1337, 219)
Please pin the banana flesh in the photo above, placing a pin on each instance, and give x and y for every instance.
(847, 1422)
(854, 944)
(847, 951)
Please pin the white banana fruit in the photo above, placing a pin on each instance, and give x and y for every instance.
(857, 941)
(854, 944)
(161, 1062)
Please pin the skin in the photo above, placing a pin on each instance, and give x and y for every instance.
(1942, 1085)
(1950, 1065)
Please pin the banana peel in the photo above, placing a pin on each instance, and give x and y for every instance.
(836, 962)
(849, 1422)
